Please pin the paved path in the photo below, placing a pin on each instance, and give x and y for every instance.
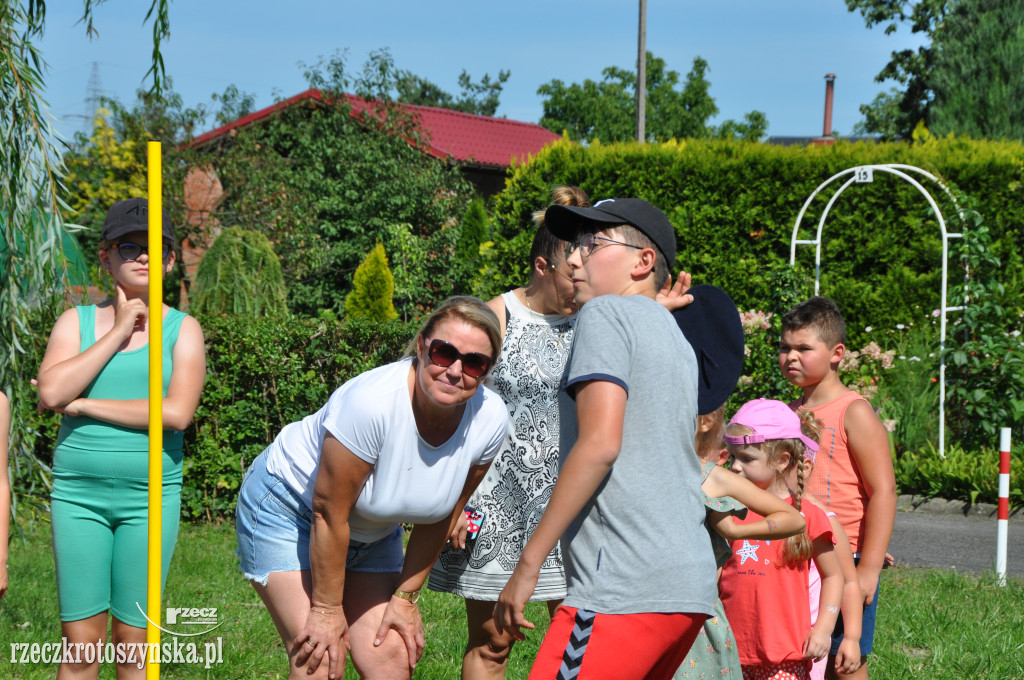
(939, 535)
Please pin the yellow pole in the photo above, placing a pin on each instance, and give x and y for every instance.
(156, 419)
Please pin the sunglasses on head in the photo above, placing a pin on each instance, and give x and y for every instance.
(444, 354)
(130, 252)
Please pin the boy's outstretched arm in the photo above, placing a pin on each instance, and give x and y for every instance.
(869, 445)
(600, 412)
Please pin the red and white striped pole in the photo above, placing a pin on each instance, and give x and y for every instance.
(1004, 504)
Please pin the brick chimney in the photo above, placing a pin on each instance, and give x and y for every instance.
(203, 192)
(830, 80)
(826, 138)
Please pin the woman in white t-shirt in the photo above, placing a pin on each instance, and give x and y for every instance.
(404, 443)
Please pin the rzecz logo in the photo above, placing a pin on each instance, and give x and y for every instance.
(187, 616)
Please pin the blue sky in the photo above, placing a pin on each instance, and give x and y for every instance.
(768, 56)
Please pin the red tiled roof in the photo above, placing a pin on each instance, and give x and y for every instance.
(465, 137)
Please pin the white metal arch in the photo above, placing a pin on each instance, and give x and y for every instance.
(864, 174)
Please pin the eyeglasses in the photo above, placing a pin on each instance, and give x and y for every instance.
(444, 354)
(588, 243)
(130, 252)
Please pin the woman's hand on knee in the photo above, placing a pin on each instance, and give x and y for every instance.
(403, 617)
(325, 634)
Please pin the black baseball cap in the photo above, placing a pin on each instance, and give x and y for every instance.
(130, 216)
(712, 326)
(565, 221)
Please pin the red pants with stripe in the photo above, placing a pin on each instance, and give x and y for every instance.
(582, 645)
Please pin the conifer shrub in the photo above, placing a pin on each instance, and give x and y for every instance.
(473, 230)
(240, 274)
(373, 289)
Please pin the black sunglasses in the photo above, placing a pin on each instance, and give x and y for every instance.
(130, 252)
(444, 354)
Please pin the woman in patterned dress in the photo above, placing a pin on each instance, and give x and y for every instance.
(537, 324)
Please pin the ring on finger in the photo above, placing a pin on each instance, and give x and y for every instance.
(312, 645)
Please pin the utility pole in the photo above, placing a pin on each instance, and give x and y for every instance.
(641, 75)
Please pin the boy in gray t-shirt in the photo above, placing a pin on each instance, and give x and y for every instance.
(627, 505)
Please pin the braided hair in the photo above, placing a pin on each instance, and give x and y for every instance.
(797, 548)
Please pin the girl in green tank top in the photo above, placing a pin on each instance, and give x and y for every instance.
(95, 372)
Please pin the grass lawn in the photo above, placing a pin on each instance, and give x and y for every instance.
(932, 624)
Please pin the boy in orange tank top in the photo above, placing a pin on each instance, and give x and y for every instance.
(853, 472)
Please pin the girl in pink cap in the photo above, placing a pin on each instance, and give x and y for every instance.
(764, 583)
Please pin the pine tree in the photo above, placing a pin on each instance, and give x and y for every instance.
(373, 288)
(976, 78)
(240, 274)
(473, 230)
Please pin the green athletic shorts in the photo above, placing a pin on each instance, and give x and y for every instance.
(99, 510)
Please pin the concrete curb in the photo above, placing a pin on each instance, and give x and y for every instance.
(940, 506)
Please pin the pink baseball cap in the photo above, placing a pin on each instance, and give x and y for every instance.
(769, 419)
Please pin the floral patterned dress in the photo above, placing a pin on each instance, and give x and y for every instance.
(517, 487)
(714, 654)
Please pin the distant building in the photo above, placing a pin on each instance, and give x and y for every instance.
(481, 147)
(783, 140)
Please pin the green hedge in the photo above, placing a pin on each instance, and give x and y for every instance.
(264, 374)
(734, 206)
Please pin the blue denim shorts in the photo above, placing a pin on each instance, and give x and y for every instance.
(273, 524)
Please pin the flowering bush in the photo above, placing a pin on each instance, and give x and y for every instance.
(861, 370)
(761, 375)
(754, 320)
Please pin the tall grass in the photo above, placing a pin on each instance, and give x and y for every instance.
(934, 625)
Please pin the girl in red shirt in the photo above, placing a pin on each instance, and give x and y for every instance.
(764, 583)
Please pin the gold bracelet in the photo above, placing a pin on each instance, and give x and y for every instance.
(413, 596)
(326, 611)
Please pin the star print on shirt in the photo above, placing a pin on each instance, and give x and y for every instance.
(748, 551)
